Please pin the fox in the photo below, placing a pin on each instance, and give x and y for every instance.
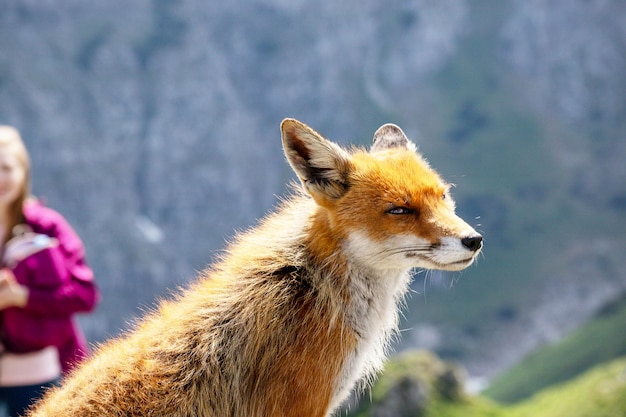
(296, 312)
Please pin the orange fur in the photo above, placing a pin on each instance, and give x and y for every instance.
(299, 309)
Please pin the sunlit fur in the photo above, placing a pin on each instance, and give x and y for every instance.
(297, 310)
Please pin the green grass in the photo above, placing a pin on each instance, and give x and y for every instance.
(599, 392)
(469, 407)
(438, 399)
(598, 341)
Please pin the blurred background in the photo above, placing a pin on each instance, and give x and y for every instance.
(153, 127)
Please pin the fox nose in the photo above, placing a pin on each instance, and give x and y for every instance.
(473, 243)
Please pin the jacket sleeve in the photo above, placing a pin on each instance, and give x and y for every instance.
(59, 280)
(54, 290)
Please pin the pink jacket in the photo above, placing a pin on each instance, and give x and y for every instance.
(60, 284)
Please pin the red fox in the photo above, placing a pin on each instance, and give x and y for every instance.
(298, 310)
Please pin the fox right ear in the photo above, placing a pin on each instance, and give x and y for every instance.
(391, 136)
(321, 165)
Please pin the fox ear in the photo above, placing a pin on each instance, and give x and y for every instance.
(391, 136)
(321, 165)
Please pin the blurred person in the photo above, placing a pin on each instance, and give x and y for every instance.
(44, 282)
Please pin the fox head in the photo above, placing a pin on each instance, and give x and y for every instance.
(389, 209)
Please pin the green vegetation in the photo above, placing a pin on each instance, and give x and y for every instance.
(419, 384)
(594, 343)
(600, 392)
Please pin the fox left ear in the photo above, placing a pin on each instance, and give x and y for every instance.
(321, 165)
(390, 136)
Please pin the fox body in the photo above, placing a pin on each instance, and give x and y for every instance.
(298, 310)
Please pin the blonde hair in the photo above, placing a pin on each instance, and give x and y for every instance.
(11, 141)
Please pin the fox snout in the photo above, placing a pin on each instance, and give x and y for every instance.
(453, 253)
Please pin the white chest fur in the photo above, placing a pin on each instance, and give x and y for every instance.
(373, 315)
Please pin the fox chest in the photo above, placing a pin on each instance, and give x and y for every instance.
(372, 314)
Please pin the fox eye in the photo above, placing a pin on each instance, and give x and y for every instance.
(443, 196)
(400, 210)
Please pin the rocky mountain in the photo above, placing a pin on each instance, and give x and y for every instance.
(153, 127)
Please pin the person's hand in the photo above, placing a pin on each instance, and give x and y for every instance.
(22, 246)
(12, 294)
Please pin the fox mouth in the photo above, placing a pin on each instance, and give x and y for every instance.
(460, 264)
(463, 263)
